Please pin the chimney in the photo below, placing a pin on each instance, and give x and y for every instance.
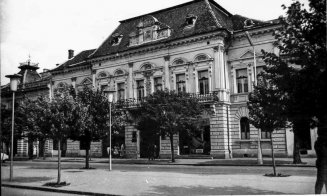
(70, 53)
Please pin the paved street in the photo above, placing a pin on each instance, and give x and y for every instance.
(25, 192)
(131, 179)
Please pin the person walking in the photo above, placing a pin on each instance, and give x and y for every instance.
(321, 162)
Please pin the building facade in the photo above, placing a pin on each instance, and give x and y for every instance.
(196, 47)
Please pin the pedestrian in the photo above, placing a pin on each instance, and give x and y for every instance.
(321, 162)
(154, 151)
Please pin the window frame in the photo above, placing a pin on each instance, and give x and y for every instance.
(181, 84)
(140, 90)
(206, 85)
(246, 131)
(242, 82)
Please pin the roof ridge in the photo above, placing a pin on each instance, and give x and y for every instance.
(212, 14)
(161, 10)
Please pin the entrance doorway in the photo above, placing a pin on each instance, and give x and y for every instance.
(195, 142)
(146, 140)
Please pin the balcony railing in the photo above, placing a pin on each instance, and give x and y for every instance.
(134, 103)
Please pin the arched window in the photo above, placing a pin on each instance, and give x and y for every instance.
(178, 62)
(147, 66)
(102, 75)
(245, 128)
(119, 72)
(201, 57)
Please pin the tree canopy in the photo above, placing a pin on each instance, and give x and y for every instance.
(167, 113)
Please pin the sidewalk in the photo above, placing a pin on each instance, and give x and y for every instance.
(121, 182)
(284, 162)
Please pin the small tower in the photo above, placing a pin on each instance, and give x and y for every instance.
(28, 71)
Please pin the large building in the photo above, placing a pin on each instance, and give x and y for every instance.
(196, 47)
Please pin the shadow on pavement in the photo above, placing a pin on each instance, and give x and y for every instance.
(205, 190)
(28, 179)
(244, 162)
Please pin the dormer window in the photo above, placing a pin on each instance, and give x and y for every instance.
(147, 30)
(190, 20)
(248, 23)
(116, 38)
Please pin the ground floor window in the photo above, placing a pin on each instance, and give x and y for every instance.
(245, 128)
(265, 134)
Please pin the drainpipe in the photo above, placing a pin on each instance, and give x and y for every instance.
(260, 161)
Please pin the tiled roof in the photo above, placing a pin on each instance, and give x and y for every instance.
(238, 22)
(78, 60)
(210, 17)
(173, 17)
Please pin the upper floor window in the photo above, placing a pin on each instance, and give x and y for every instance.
(140, 89)
(245, 128)
(121, 91)
(203, 80)
(180, 83)
(157, 84)
(242, 80)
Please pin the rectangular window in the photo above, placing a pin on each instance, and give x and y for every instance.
(203, 80)
(180, 83)
(140, 89)
(147, 35)
(121, 91)
(265, 134)
(242, 80)
(245, 128)
(157, 84)
(134, 138)
(103, 87)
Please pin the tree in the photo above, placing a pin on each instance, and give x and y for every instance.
(267, 109)
(93, 114)
(37, 116)
(167, 113)
(60, 112)
(300, 69)
(21, 125)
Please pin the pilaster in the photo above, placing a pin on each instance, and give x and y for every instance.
(166, 71)
(130, 81)
(221, 84)
(220, 135)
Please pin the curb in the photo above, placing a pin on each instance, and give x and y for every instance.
(55, 190)
(195, 164)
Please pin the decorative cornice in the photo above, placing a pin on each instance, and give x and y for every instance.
(171, 44)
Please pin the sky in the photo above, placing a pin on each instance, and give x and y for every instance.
(46, 29)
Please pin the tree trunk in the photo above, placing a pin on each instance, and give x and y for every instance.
(42, 145)
(273, 155)
(59, 163)
(296, 150)
(87, 156)
(171, 136)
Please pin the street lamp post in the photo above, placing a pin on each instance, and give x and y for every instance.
(110, 98)
(260, 161)
(14, 79)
